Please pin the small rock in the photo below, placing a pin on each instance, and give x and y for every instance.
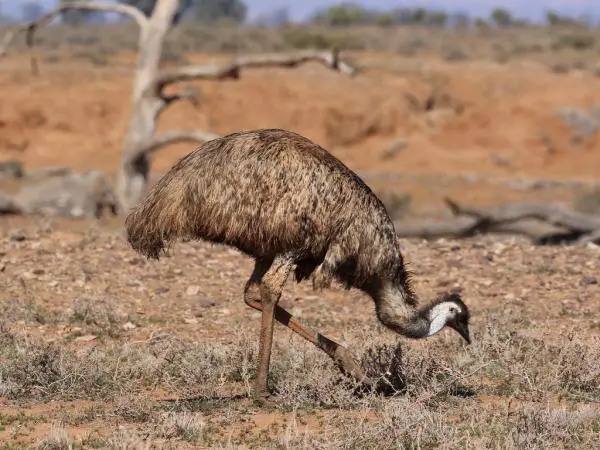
(159, 335)
(501, 160)
(129, 326)
(161, 290)
(454, 263)
(190, 320)
(18, 236)
(498, 248)
(443, 282)
(39, 271)
(86, 338)
(394, 148)
(588, 280)
(206, 302)
(192, 290)
(456, 290)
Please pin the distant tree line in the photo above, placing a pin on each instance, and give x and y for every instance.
(350, 13)
(208, 11)
(340, 15)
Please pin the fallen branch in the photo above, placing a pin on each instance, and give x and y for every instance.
(232, 70)
(462, 227)
(187, 94)
(551, 214)
(172, 137)
(543, 224)
(593, 237)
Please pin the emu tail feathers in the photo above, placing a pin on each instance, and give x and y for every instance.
(161, 217)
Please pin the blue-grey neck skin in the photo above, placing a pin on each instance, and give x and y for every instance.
(416, 328)
(395, 311)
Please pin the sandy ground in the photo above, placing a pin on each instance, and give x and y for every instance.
(85, 290)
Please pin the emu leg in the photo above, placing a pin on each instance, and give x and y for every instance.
(266, 283)
(340, 355)
(264, 349)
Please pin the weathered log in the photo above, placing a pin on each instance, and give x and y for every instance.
(554, 215)
(543, 224)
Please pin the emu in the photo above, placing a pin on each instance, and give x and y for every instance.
(292, 206)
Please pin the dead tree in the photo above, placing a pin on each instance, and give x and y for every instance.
(543, 224)
(149, 99)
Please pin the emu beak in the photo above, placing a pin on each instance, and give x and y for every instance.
(463, 329)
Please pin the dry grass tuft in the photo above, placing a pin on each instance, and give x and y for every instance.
(181, 425)
(384, 363)
(98, 311)
(57, 439)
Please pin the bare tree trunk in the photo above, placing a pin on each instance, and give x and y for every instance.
(146, 106)
(148, 97)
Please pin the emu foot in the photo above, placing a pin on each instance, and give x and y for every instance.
(352, 368)
(384, 365)
(261, 393)
(262, 400)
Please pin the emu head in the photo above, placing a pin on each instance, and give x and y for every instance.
(448, 311)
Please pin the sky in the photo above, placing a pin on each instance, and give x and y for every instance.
(530, 9)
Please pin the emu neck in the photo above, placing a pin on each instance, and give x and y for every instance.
(416, 327)
(395, 311)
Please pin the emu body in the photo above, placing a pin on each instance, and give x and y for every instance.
(292, 206)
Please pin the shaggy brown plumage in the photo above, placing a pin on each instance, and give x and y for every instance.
(288, 203)
(270, 192)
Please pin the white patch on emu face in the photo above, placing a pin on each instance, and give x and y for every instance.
(439, 315)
